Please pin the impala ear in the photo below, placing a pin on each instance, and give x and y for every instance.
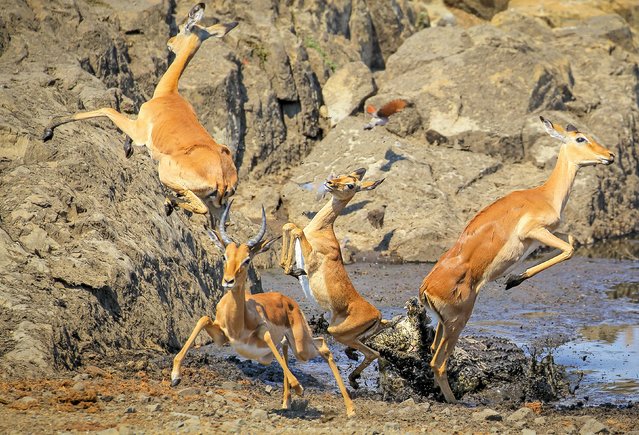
(358, 173)
(219, 30)
(195, 15)
(555, 131)
(370, 185)
(571, 127)
(263, 246)
(217, 240)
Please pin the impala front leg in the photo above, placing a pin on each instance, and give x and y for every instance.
(265, 335)
(212, 329)
(547, 238)
(292, 234)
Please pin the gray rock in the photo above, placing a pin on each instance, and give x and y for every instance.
(528, 432)
(593, 426)
(345, 90)
(189, 391)
(130, 410)
(392, 426)
(521, 414)
(79, 386)
(487, 415)
(155, 407)
(259, 414)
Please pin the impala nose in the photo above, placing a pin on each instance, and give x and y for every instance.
(228, 283)
(609, 160)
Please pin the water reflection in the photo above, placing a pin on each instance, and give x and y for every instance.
(625, 290)
(610, 356)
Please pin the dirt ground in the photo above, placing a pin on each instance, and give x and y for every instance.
(217, 396)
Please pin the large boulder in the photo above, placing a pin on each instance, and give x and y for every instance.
(345, 90)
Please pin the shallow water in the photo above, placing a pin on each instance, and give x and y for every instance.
(585, 311)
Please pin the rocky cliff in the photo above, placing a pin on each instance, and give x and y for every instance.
(89, 264)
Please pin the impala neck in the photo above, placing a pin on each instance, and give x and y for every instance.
(560, 182)
(237, 306)
(325, 218)
(170, 79)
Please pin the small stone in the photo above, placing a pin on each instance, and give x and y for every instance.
(487, 414)
(391, 426)
(540, 420)
(81, 377)
(228, 385)
(528, 432)
(425, 406)
(268, 389)
(189, 391)
(593, 426)
(299, 405)
(109, 431)
(120, 398)
(259, 414)
(154, 407)
(79, 386)
(143, 398)
(25, 402)
(130, 410)
(520, 414)
(408, 402)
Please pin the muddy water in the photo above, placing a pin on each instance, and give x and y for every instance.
(584, 311)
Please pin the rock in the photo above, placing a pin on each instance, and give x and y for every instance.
(259, 414)
(345, 90)
(109, 431)
(593, 426)
(154, 407)
(189, 391)
(520, 414)
(392, 426)
(79, 386)
(485, 9)
(540, 420)
(130, 410)
(143, 398)
(487, 414)
(480, 367)
(528, 432)
(268, 389)
(23, 403)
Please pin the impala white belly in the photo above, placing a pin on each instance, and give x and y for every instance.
(508, 257)
(251, 351)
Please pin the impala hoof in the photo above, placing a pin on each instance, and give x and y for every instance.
(297, 272)
(353, 381)
(175, 382)
(299, 390)
(168, 207)
(351, 354)
(47, 134)
(128, 148)
(514, 281)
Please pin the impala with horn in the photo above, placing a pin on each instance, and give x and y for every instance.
(256, 325)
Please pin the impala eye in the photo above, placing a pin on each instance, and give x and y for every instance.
(581, 139)
(350, 186)
(246, 261)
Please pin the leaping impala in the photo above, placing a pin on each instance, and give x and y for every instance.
(500, 236)
(191, 163)
(314, 254)
(253, 324)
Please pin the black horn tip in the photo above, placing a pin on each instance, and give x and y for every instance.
(47, 134)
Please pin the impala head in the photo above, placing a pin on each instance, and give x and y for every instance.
(192, 34)
(237, 257)
(580, 148)
(346, 186)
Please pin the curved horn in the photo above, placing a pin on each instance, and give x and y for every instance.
(258, 238)
(222, 225)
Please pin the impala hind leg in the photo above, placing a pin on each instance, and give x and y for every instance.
(264, 334)
(171, 176)
(136, 131)
(212, 329)
(445, 348)
(286, 400)
(324, 351)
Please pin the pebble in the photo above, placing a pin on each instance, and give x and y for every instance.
(593, 426)
(228, 385)
(268, 389)
(144, 398)
(109, 431)
(79, 386)
(408, 402)
(391, 426)
(528, 432)
(520, 414)
(81, 377)
(189, 391)
(487, 414)
(540, 420)
(259, 414)
(130, 410)
(154, 408)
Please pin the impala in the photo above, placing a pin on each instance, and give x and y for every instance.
(314, 256)
(254, 325)
(499, 237)
(190, 162)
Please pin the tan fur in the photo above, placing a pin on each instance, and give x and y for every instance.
(255, 325)
(496, 239)
(353, 318)
(191, 163)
